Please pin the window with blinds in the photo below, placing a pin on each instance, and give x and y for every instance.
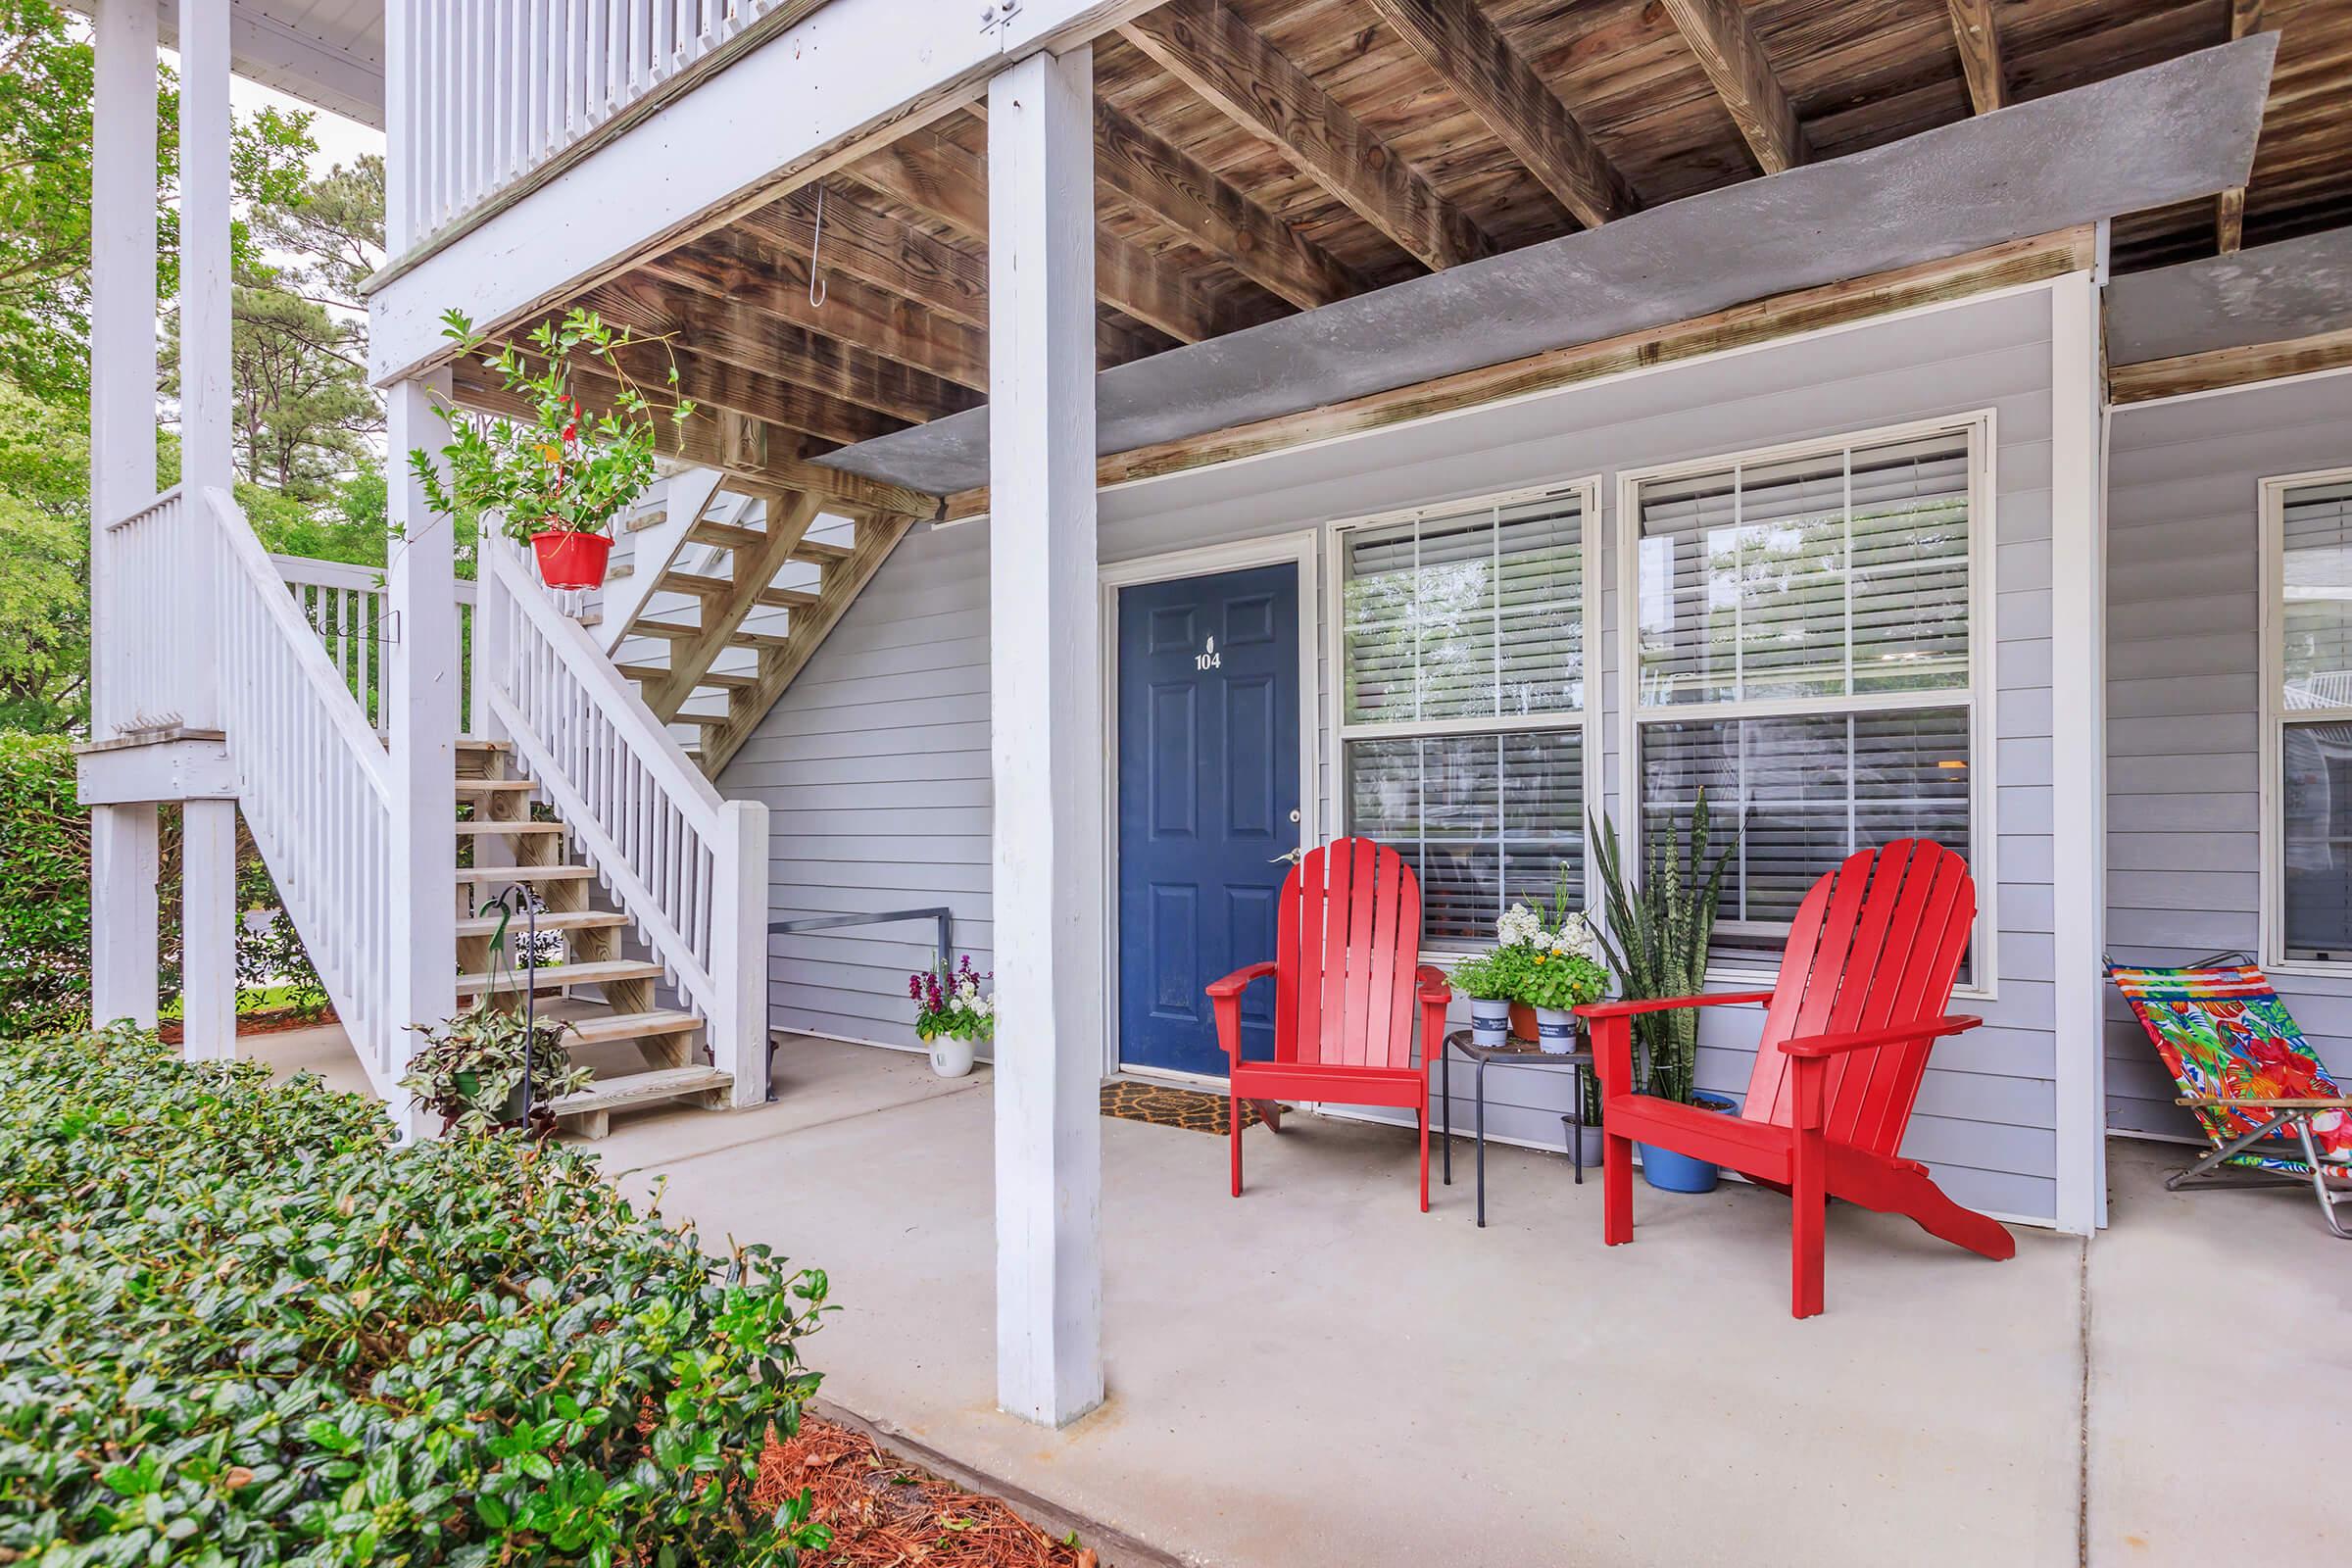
(1803, 653)
(1463, 701)
(2313, 683)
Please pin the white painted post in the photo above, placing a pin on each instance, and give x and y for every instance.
(123, 861)
(1046, 728)
(420, 696)
(2079, 752)
(207, 930)
(739, 950)
(208, 845)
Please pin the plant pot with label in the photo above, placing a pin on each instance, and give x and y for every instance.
(950, 1055)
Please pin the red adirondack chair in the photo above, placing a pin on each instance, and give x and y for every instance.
(1346, 976)
(1859, 1003)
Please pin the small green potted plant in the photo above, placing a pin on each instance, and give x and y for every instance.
(472, 1069)
(1489, 979)
(559, 477)
(1562, 973)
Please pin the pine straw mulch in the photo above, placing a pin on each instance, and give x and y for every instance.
(276, 1021)
(884, 1513)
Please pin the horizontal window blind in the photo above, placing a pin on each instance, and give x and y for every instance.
(2316, 849)
(1458, 626)
(1837, 573)
(2317, 606)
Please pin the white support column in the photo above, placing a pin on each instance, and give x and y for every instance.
(206, 410)
(124, 864)
(1046, 728)
(207, 930)
(125, 867)
(420, 696)
(2078, 746)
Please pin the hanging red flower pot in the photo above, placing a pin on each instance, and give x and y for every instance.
(570, 558)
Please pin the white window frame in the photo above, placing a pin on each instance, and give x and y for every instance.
(2273, 514)
(1980, 697)
(1588, 717)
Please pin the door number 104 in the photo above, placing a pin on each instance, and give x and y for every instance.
(1208, 657)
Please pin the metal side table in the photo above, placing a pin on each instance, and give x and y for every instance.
(1513, 1053)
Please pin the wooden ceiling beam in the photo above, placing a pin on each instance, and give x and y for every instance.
(716, 384)
(949, 185)
(1180, 191)
(733, 331)
(733, 264)
(861, 243)
(751, 451)
(1980, 42)
(1719, 34)
(1474, 60)
(2229, 208)
(1223, 59)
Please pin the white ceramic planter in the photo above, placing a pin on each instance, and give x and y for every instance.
(1490, 1021)
(951, 1057)
(1555, 1030)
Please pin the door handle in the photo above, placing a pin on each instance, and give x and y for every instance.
(1293, 858)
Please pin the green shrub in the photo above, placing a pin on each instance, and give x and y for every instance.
(238, 1326)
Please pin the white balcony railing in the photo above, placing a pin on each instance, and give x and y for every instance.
(345, 605)
(156, 674)
(501, 89)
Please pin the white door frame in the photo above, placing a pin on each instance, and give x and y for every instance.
(1297, 547)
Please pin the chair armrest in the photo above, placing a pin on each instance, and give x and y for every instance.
(1627, 1009)
(1434, 987)
(1234, 983)
(2339, 1102)
(1807, 1048)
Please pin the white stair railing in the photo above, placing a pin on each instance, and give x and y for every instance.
(344, 605)
(687, 866)
(316, 788)
(156, 571)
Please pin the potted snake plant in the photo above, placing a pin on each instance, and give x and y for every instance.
(562, 474)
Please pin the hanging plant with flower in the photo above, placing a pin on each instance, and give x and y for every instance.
(955, 1006)
(561, 476)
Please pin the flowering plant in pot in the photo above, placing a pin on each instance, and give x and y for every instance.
(1490, 980)
(471, 1067)
(560, 474)
(952, 1011)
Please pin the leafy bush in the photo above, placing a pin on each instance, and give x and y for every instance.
(238, 1326)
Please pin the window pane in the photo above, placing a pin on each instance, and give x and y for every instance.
(1823, 575)
(2316, 772)
(2319, 596)
(1811, 790)
(1471, 614)
(1482, 820)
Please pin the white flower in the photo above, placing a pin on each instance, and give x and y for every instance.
(1520, 926)
(1575, 936)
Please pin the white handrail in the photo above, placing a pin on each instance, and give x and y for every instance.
(344, 605)
(154, 596)
(315, 786)
(687, 866)
(502, 87)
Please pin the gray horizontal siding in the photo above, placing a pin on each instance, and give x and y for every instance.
(875, 764)
(2184, 669)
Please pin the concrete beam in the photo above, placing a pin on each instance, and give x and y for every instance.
(2297, 288)
(2168, 133)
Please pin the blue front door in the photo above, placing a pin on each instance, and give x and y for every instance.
(1208, 804)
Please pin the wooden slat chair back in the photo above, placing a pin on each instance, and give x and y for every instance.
(1875, 942)
(1349, 931)
(1873, 953)
(1348, 977)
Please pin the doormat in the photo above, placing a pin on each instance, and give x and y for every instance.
(1164, 1106)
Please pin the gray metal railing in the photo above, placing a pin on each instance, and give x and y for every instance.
(941, 915)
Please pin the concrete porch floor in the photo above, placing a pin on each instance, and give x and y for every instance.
(1320, 1374)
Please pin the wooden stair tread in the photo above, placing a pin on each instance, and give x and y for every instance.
(731, 535)
(487, 786)
(523, 873)
(629, 1026)
(549, 920)
(502, 830)
(549, 977)
(772, 598)
(680, 631)
(715, 679)
(642, 1088)
(816, 552)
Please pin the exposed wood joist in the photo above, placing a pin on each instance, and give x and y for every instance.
(1482, 69)
(744, 448)
(945, 182)
(858, 242)
(2220, 368)
(1719, 34)
(717, 385)
(1224, 60)
(2020, 261)
(751, 567)
(733, 331)
(736, 264)
(2229, 208)
(723, 738)
(1978, 40)
(1192, 199)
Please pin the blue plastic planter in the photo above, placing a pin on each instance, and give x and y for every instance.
(1671, 1172)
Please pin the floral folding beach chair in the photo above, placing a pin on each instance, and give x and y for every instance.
(2263, 1100)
